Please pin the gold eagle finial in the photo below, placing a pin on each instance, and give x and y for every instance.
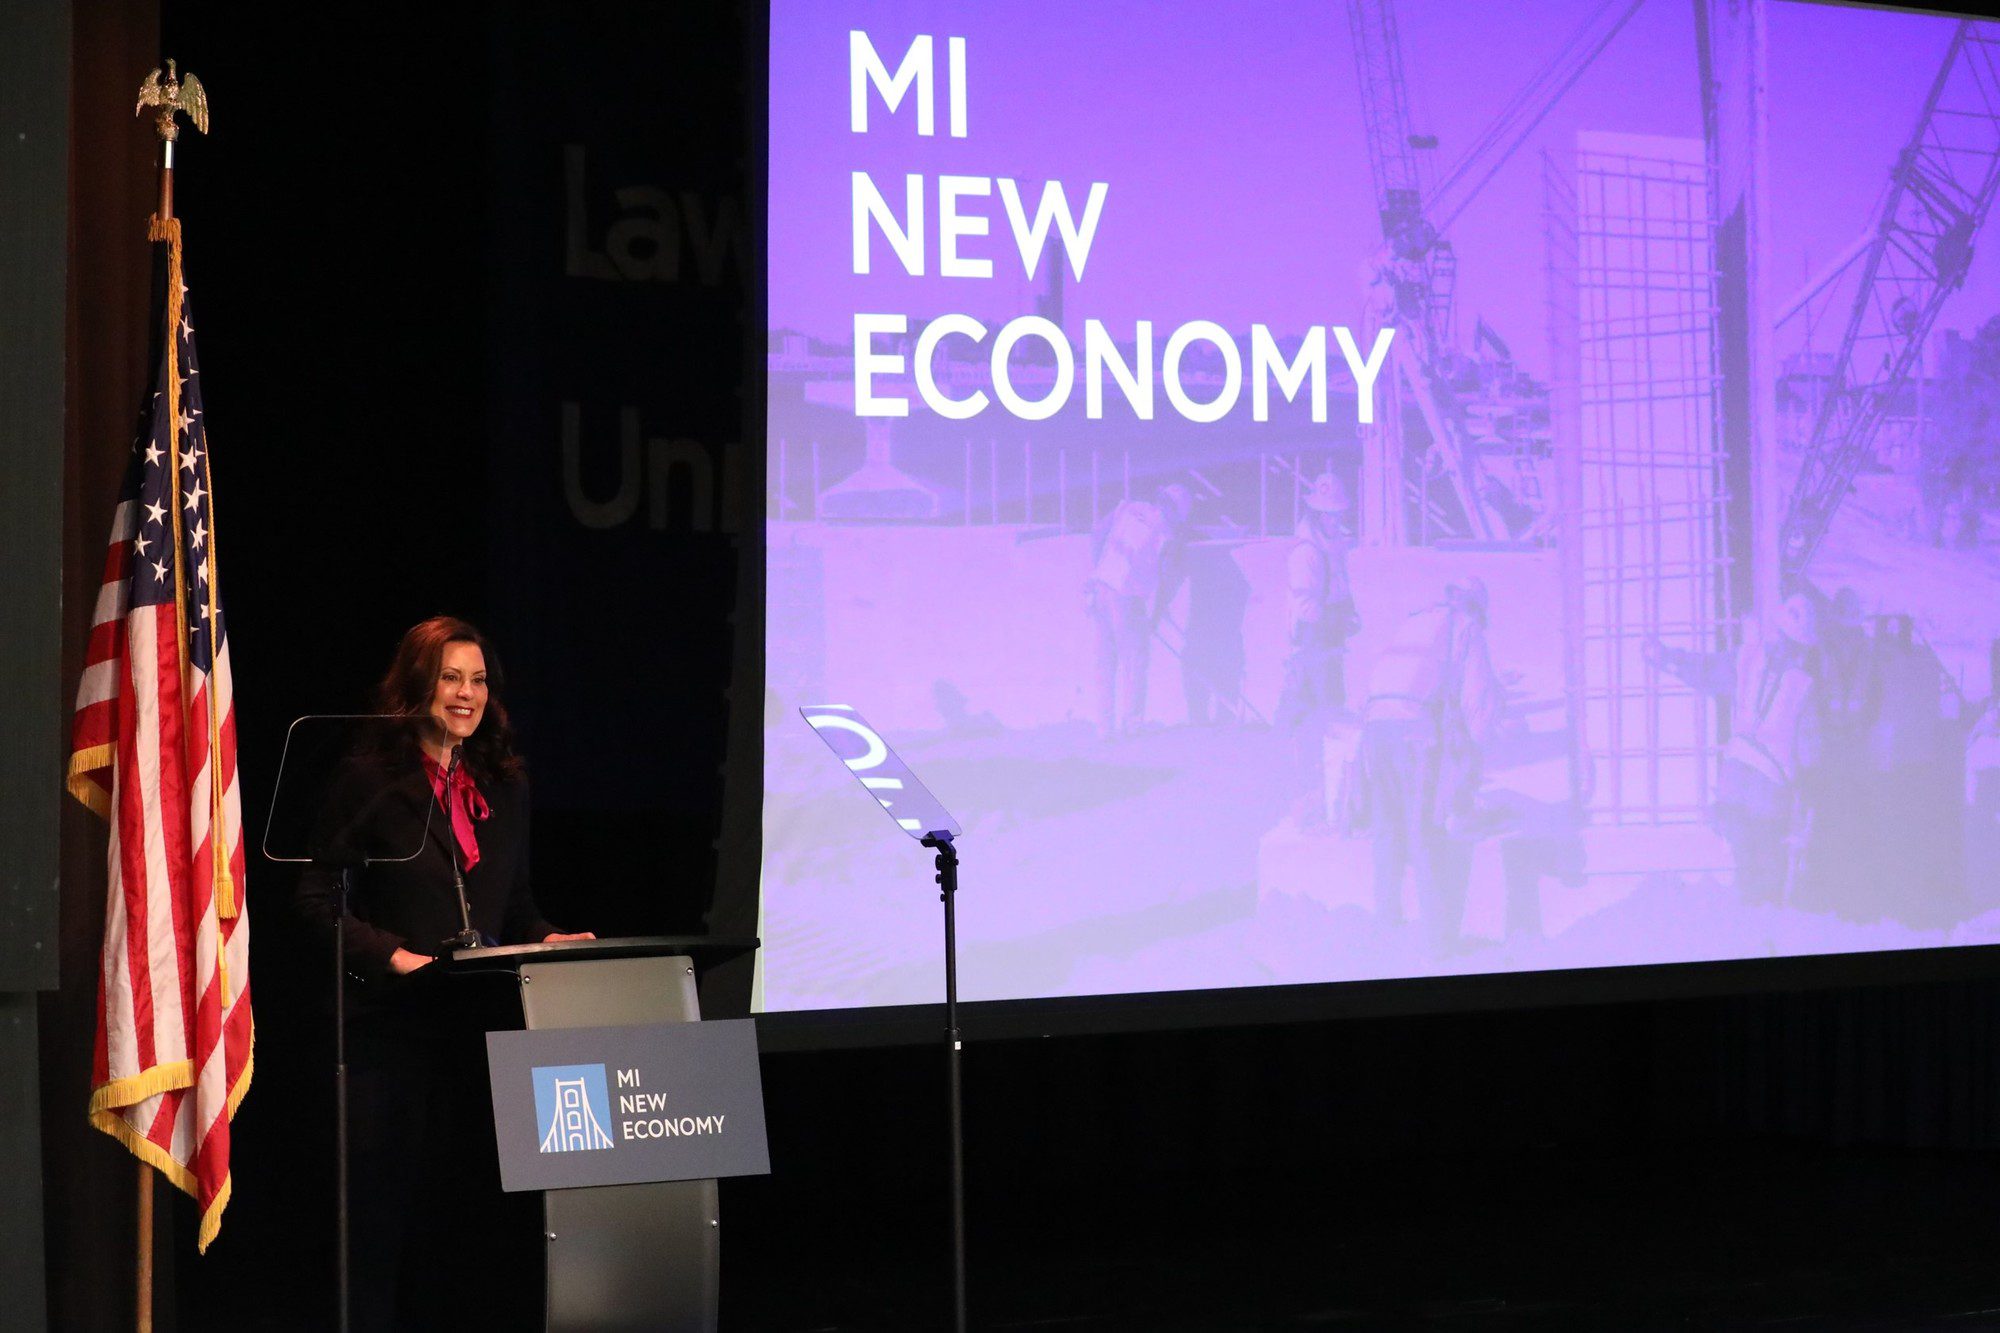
(182, 93)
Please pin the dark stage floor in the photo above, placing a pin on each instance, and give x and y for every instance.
(1776, 1237)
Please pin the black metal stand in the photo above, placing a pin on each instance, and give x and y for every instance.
(340, 1085)
(947, 878)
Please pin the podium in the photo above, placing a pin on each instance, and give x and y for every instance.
(639, 1256)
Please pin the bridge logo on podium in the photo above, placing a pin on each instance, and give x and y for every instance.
(572, 1107)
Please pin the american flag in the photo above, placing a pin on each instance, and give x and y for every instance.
(153, 750)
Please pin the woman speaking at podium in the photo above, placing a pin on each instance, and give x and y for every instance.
(404, 912)
(434, 811)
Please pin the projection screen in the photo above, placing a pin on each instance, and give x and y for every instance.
(1383, 489)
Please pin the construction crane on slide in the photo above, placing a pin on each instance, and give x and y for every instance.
(1940, 191)
(1417, 263)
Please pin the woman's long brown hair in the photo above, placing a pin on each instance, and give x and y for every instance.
(411, 681)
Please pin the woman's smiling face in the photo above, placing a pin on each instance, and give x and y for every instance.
(459, 700)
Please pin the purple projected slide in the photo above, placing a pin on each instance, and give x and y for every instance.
(1380, 488)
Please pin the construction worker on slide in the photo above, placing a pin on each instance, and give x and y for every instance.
(1136, 557)
(1320, 607)
(1769, 679)
(1433, 701)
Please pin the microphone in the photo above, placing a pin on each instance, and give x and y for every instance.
(467, 937)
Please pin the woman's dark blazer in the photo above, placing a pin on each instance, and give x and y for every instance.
(377, 810)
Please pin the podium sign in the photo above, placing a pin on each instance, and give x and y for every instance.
(619, 1105)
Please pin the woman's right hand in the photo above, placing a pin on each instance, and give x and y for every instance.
(403, 962)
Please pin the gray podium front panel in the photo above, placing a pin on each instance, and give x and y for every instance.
(626, 1256)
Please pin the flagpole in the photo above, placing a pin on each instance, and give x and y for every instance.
(144, 1275)
(166, 207)
(184, 95)
(143, 1305)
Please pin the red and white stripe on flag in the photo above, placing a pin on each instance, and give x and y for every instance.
(153, 750)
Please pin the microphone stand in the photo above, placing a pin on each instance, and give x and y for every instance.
(467, 937)
(947, 878)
